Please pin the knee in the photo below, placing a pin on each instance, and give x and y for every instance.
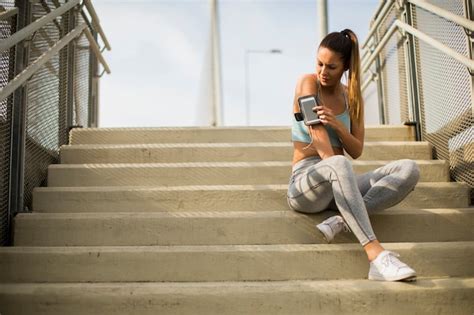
(412, 171)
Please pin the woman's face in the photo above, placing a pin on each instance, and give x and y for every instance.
(329, 66)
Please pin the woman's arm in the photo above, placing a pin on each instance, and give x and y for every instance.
(353, 141)
(307, 85)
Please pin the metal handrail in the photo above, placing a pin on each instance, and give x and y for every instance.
(5, 15)
(379, 47)
(44, 58)
(96, 23)
(468, 24)
(436, 44)
(37, 25)
(379, 17)
(378, 9)
(420, 35)
(22, 34)
(95, 48)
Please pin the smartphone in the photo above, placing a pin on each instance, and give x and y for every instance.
(306, 104)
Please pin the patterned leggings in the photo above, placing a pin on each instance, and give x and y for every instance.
(316, 185)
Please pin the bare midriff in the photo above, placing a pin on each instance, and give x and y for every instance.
(299, 153)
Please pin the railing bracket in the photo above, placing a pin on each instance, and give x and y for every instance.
(27, 41)
(471, 72)
(469, 33)
(400, 4)
(74, 127)
(103, 72)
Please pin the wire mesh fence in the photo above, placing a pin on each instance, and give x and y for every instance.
(57, 98)
(445, 89)
(444, 86)
(46, 102)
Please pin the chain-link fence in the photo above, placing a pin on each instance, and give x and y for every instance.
(57, 97)
(443, 86)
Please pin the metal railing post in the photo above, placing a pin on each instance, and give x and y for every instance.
(468, 8)
(71, 56)
(380, 94)
(18, 128)
(412, 75)
(469, 11)
(93, 86)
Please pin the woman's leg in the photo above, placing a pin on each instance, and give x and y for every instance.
(313, 190)
(310, 191)
(388, 185)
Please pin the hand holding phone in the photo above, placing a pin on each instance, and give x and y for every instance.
(307, 103)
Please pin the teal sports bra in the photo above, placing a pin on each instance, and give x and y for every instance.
(300, 132)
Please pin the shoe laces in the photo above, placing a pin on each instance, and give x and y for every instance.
(337, 224)
(391, 258)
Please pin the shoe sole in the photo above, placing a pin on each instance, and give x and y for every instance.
(409, 278)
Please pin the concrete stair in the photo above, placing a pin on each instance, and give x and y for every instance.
(228, 228)
(215, 135)
(226, 173)
(224, 152)
(306, 297)
(223, 262)
(214, 198)
(195, 221)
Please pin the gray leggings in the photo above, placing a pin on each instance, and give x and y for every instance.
(316, 185)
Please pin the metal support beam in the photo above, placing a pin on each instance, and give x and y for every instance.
(380, 92)
(18, 128)
(216, 67)
(413, 82)
(323, 18)
(468, 9)
(70, 79)
(94, 80)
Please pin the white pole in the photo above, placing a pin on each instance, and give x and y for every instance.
(323, 18)
(216, 67)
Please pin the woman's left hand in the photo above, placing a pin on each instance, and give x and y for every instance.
(327, 117)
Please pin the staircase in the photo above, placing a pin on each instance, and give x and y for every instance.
(195, 221)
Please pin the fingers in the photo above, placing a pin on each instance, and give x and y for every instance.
(325, 114)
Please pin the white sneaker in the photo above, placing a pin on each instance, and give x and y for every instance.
(331, 226)
(387, 267)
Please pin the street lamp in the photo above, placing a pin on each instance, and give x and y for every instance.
(247, 92)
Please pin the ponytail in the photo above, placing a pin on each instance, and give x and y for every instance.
(346, 43)
(355, 94)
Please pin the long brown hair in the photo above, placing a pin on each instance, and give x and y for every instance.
(346, 44)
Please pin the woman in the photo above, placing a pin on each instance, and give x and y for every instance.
(322, 177)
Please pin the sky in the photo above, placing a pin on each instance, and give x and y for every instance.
(160, 51)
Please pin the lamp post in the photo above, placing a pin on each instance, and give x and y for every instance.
(247, 79)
